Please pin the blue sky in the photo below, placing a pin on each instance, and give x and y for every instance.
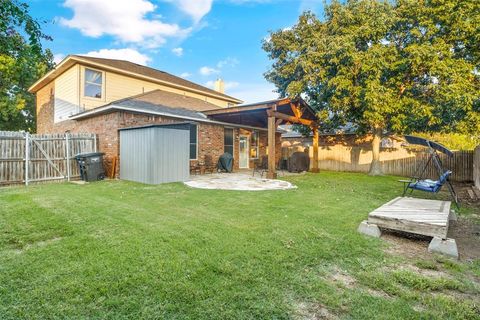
(200, 40)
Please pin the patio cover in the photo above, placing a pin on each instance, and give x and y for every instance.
(271, 114)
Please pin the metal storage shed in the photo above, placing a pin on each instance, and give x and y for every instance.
(155, 154)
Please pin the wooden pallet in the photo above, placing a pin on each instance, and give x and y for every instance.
(418, 216)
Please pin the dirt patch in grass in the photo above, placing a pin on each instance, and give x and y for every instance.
(37, 244)
(312, 311)
(342, 278)
(462, 192)
(406, 244)
(426, 272)
(466, 232)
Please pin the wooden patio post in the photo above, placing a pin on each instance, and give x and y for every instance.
(315, 149)
(272, 128)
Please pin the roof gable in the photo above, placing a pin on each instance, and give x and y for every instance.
(132, 70)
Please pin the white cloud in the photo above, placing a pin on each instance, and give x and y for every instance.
(227, 84)
(254, 92)
(231, 84)
(196, 9)
(128, 54)
(125, 20)
(210, 84)
(207, 71)
(178, 51)
(230, 62)
(249, 1)
(186, 75)
(58, 57)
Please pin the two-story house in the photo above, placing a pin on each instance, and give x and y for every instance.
(101, 96)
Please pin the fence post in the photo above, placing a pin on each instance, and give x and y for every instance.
(27, 155)
(67, 153)
(95, 142)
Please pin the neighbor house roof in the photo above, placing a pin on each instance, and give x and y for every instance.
(130, 69)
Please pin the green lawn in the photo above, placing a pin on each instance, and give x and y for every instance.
(121, 250)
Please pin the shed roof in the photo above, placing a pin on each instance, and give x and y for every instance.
(174, 125)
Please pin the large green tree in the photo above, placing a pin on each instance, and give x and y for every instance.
(22, 62)
(384, 66)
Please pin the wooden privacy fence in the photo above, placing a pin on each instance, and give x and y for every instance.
(26, 158)
(476, 167)
(397, 162)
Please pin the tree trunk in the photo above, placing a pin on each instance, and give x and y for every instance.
(375, 169)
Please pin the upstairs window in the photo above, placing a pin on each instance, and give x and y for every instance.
(93, 84)
(254, 145)
(193, 142)
(228, 140)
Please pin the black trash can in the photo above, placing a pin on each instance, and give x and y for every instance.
(91, 166)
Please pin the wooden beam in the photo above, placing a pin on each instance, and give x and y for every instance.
(271, 174)
(296, 110)
(288, 118)
(283, 101)
(279, 122)
(315, 149)
(238, 109)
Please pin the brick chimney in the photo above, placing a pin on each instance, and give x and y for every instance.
(219, 85)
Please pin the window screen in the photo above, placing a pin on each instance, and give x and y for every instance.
(228, 140)
(193, 142)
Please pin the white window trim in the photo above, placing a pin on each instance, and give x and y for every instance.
(84, 81)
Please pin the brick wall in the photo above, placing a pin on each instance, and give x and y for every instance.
(44, 99)
(210, 136)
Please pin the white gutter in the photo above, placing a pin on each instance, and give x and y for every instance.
(96, 111)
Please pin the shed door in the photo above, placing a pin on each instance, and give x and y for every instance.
(155, 155)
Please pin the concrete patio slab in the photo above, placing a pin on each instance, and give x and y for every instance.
(237, 181)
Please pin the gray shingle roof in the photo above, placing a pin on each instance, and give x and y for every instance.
(153, 73)
(165, 102)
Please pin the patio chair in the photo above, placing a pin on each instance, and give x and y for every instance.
(260, 166)
(195, 168)
(280, 167)
(210, 166)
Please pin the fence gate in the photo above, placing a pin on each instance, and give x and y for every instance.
(26, 158)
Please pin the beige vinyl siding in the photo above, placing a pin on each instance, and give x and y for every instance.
(70, 86)
(117, 86)
(66, 94)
